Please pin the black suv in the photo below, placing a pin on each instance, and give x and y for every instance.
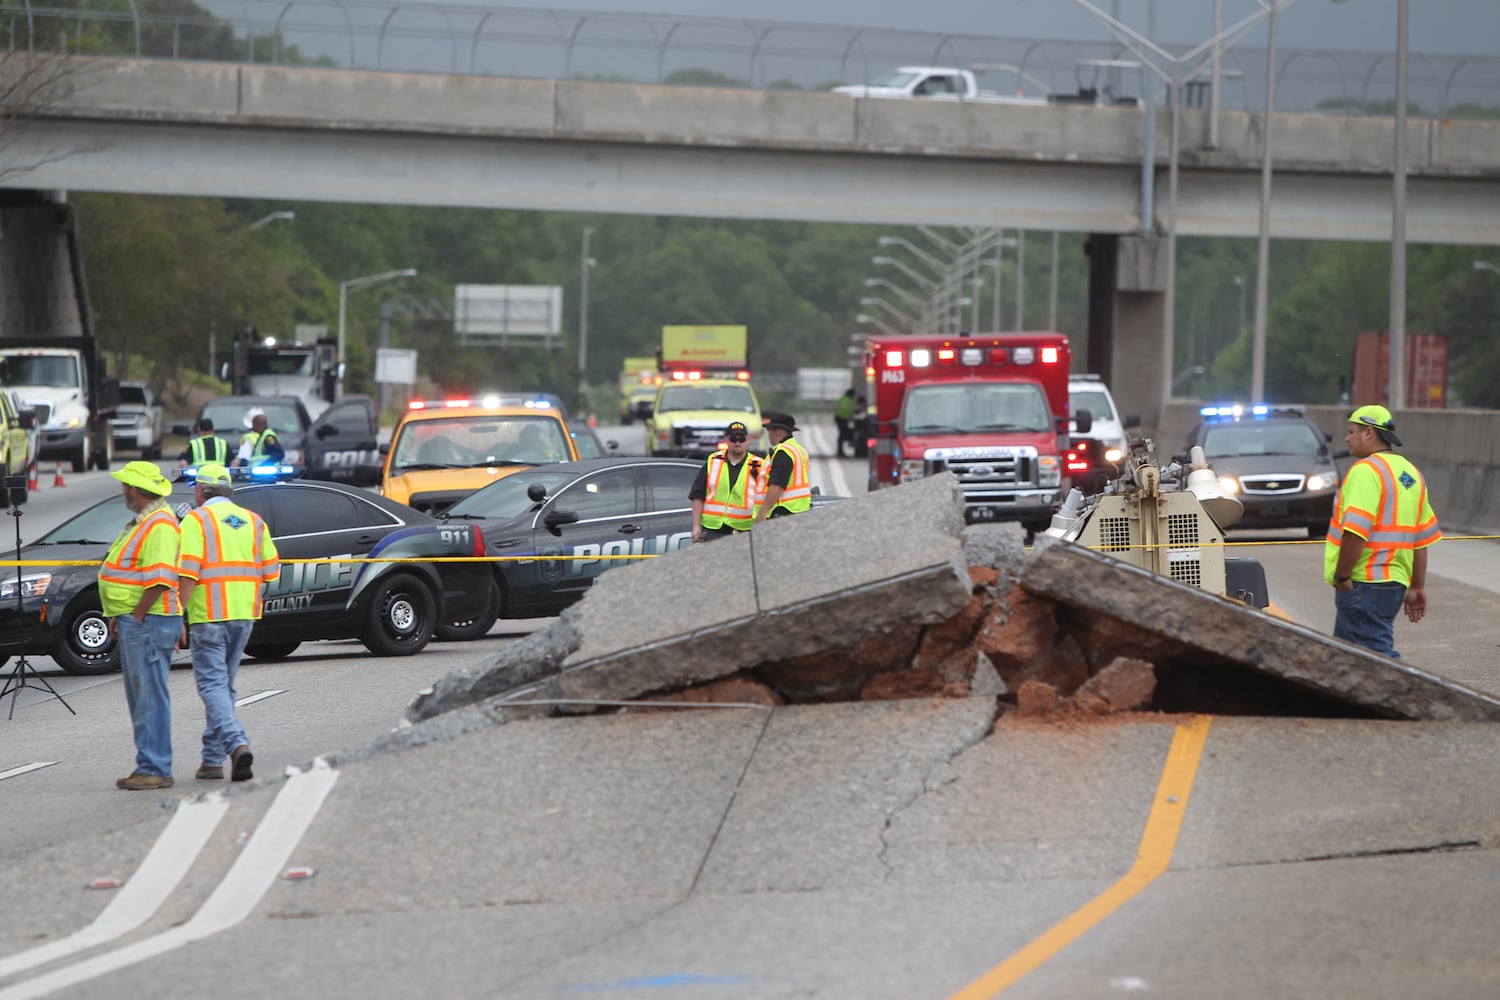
(1274, 461)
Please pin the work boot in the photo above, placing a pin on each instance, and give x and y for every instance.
(241, 758)
(140, 781)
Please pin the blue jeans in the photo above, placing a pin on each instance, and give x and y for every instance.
(217, 648)
(1366, 615)
(146, 659)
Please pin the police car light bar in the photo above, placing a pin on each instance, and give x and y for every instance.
(1234, 410)
(242, 474)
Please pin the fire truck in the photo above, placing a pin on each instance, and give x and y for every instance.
(990, 408)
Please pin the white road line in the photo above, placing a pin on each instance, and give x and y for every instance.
(251, 699)
(16, 772)
(236, 896)
(163, 868)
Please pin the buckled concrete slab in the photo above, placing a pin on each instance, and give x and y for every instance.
(1201, 643)
(796, 586)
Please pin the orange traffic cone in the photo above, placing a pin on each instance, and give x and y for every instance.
(58, 481)
(31, 483)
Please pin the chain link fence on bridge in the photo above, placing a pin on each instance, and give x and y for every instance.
(667, 49)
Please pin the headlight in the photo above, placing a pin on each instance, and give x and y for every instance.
(1113, 455)
(912, 469)
(34, 585)
(1049, 471)
(1315, 483)
(63, 425)
(1228, 485)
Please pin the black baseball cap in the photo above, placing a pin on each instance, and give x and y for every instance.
(738, 427)
(205, 424)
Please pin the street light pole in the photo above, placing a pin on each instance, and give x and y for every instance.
(1396, 392)
(583, 317)
(1484, 265)
(344, 287)
(273, 217)
(1263, 246)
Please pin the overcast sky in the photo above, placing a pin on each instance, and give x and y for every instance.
(1467, 26)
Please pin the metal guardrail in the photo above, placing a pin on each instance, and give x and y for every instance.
(666, 49)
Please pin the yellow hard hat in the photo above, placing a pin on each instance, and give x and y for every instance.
(144, 476)
(212, 474)
(1379, 418)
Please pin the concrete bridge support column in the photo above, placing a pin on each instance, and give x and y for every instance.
(42, 289)
(1126, 309)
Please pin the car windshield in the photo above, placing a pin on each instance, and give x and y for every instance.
(229, 417)
(737, 398)
(507, 498)
(59, 371)
(476, 441)
(1097, 403)
(587, 444)
(1284, 437)
(99, 524)
(974, 407)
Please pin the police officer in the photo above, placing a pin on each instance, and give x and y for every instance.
(138, 594)
(260, 444)
(843, 419)
(1375, 556)
(784, 484)
(723, 494)
(204, 446)
(227, 553)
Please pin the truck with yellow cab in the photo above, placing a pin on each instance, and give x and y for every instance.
(443, 450)
(705, 386)
(990, 408)
(638, 384)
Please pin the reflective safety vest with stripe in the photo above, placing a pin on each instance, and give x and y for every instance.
(1383, 499)
(797, 497)
(208, 448)
(229, 551)
(258, 443)
(726, 502)
(144, 556)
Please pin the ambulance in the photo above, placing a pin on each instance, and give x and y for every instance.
(990, 408)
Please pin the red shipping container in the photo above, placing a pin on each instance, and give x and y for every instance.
(1426, 370)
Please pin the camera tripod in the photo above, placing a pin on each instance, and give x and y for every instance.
(23, 673)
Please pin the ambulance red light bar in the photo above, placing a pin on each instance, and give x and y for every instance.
(970, 356)
(687, 376)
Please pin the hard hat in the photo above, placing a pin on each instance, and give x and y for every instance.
(251, 414)
(1379, 418)
(212, 474)
(144, 476)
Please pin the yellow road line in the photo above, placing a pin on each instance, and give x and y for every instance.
(1151, 859)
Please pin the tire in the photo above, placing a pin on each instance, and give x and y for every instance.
(475, 627)
(87, 648)
(81, 456)
(401, 617)
(271, 650)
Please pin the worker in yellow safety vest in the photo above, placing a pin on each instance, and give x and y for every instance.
(723, 494)
(784, 484)
(138, 594)
(1375, 555)
(260, 443)
(227, 554)
(204, 446)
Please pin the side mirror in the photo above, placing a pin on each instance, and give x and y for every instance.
(185, 430)
(1084, 421)
(557, 518)
(1132, 420)
(26, 419)
(327, 430)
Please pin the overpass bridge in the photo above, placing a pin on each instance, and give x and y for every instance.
(254, 131)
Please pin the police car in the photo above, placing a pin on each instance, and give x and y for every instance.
(1274, 461)
(343, 440)
(393, 607)
(559, 526)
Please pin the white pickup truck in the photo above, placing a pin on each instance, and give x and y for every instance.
(941, 83)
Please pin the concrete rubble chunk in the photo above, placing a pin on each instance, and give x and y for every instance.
(1183, 630)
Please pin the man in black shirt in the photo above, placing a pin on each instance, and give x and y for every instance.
(723, 494)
